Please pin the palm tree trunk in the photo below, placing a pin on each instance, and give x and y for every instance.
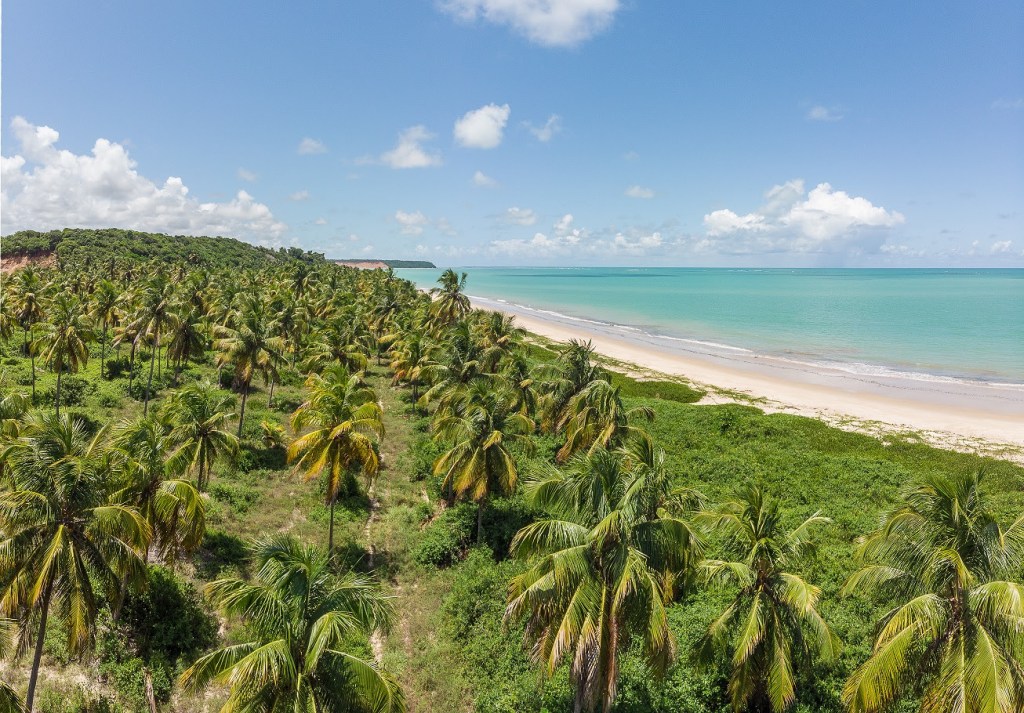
(330, 529)
(241, 412)
(480, 522)
(270, 401)
(37, 657)
(131, 365)
(56, 404)
(152, 363)
(103, 347)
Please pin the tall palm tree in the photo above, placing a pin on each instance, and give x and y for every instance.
(65, 338)
(596, 418)
(198, 417)
(453, 365)
(9, 701)
(302, 619)
(478, 428)
(499, 337)
(173, 507)
(62, 534)
(603, 567)
(251, 346)
(14, 406)
(185, 337)
(568, 376)
(29, 311)
(152, 319)
(450, 301)
(410, 355)
(774, 616)
(7, 318)
(338, 342)
(346, 421)
(106, 301)
(956, 632)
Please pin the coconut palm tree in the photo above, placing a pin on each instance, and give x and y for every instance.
(452, 365)
(450, 301)
(603, 567)
(173, 507)
(251, 346)
(596, 418)
(106, 301)
(346, 421)
(478, 427)
(9, 701)
(410, 354)
(568, 376)
(62, 534)
(302, 619)
(65, 338)
(955, 635)
(185, 337)
(773, 623)
(154, 316)
(198, 416)
(7, 318)
(499, 336)
(28, 288)
(14, 407)
(338, 342)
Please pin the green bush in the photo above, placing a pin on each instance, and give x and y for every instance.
(445, 539)
(240, 498)
(73, 391)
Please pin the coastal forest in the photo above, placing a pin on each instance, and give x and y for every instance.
(242, 479)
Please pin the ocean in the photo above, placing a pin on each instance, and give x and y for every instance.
(964, 324)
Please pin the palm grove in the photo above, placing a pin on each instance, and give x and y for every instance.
(100, 519)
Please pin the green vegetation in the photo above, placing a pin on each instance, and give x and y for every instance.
(236, 478)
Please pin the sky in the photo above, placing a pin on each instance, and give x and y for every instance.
(526, 132)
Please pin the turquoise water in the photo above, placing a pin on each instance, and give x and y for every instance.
(940, 322)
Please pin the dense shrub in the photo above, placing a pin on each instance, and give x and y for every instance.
(445, 539)
(240, 498)
(73, 391)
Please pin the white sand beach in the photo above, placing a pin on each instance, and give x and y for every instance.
(964, 415)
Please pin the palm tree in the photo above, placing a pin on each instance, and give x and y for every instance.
(14, 407)
(65, 338)
(774, 615)
(153, 317)
(452, 366)
(186, 339)
(105, 303)
(956, 632)
(596, 418)
(198, 417)
(450, 302)
(604, 564)
(29, 311)
(338, 343)
(7, 318)
(9, 701)
(410, 356)
(479, 427)
(251, 346)
(346, 420)
(569, 375)
(301, 619)
(173, 507)
(62, 534)
(499, 337)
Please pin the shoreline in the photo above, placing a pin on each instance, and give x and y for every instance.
(963, 415)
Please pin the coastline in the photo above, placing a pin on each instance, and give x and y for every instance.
(963, 415)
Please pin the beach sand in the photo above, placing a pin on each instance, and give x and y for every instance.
(963, 415)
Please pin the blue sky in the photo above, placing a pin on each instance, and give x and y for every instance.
(474, 132)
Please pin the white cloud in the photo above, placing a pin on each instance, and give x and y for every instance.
(247, 175)
(320, 221)
(1010, 104)
(310, 147)
(520, 216)
(563, 226)
(824, 113)
(299, 196)
(630, 156)
(44, 187)
(790, 220)
(411, 223)
(546, 132)
(353, 238)
(1001, 246)
(483, 180)
(553, 23)
(443, 225)
(409, 153)
(482, 128)
(639, 192)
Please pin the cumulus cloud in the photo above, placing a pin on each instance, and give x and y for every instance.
(320, 221)
(520, 216)
(1001, 246)
(310, 147)
(564, 240)
(410, 153)
(482, 128)
(411, 223)
(639, 192)
(483, 180)
(790, 219)
(247, 175)
(44, 188)
(547, 131)
(553, 23)
(299, 196)
(824, 113)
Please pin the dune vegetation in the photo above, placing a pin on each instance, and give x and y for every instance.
(235, 478)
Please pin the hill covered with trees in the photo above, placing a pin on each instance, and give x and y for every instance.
(231, 482)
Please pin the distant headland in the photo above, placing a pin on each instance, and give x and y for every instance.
(384, 264)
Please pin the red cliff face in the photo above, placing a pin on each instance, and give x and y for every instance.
(362, 264)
